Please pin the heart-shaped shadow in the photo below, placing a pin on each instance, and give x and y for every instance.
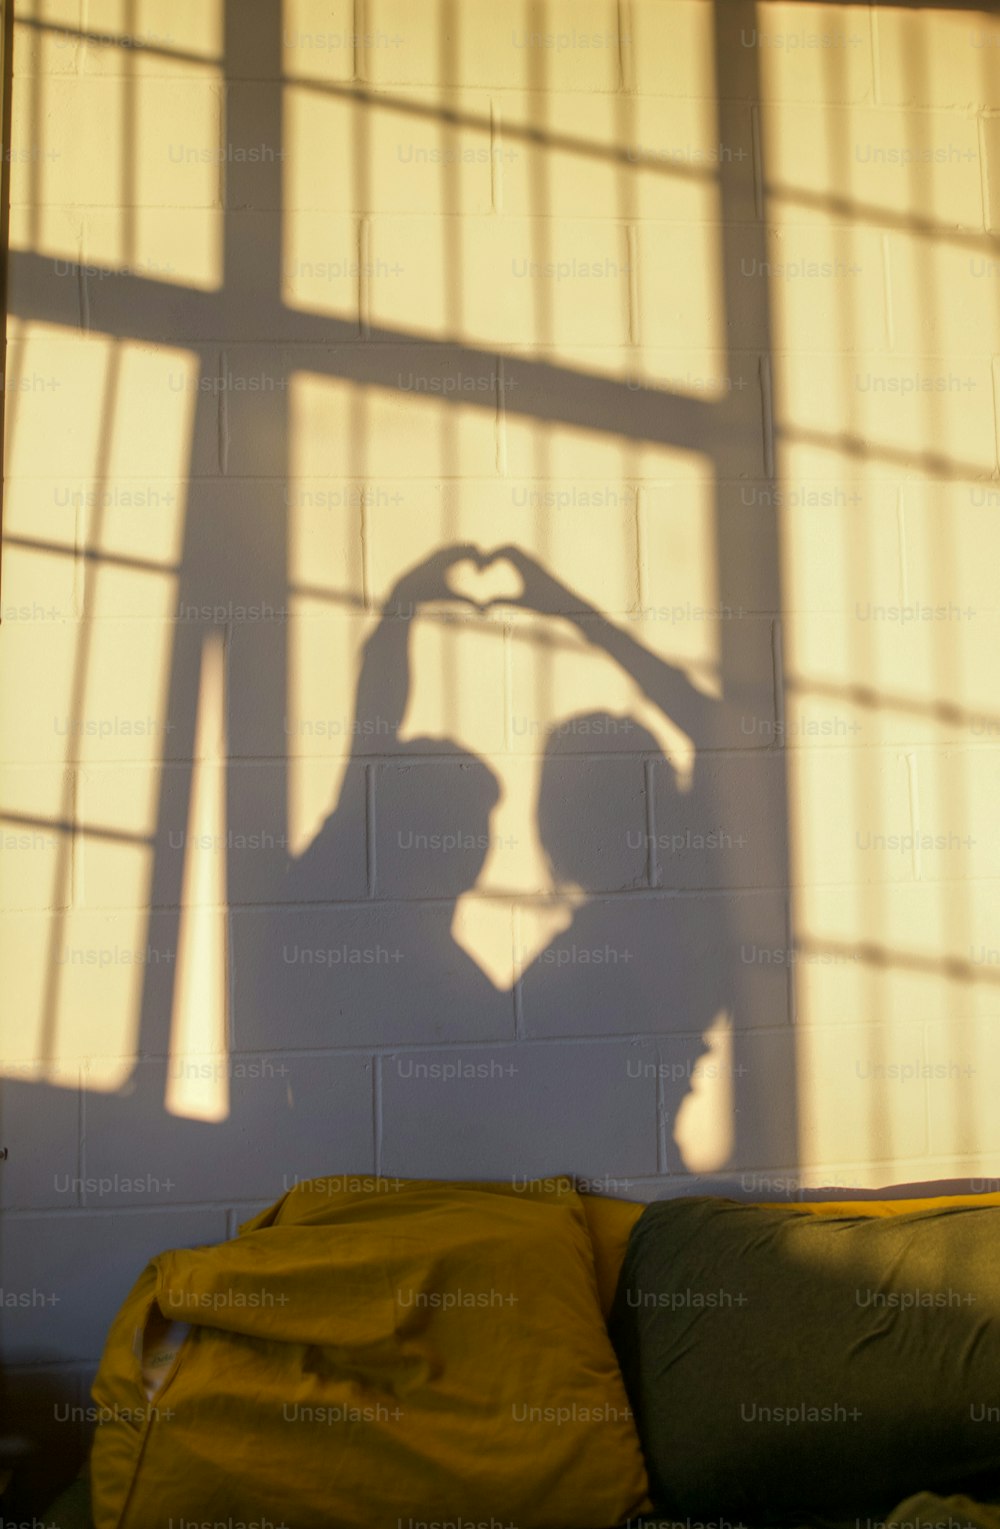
(486, 581)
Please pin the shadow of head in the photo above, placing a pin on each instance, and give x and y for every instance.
(441, 809)
(578, 827)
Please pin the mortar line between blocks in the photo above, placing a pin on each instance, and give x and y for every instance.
(377, 1116)
(652, 859)
(508, 686)
(758, 162)
(223, 416)
(83, 284)
(632, 257)
(370, 863)
(778, 676)
(661, 1121)
(364, 279)
(229, 956)
(501, 419)
(364, 529)
(914, 791)
(81, 562)
(222, 185)
(767, 415)
(626, 81)
(496, 158)
(984, 169)
(358, 18)
(640, 544)
(81, 1118)
(517, 990)
(791, 991)
(901, 544)
(890, 313)
(76, 888)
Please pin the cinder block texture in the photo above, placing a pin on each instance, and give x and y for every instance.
(499, 612)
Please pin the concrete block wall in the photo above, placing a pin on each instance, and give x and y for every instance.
(664, 854)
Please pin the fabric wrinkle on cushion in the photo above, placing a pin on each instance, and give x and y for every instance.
(609, 1220)
(787, 1366)
(401, 1404)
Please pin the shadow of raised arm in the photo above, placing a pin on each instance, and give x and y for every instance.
(663, 683)
(384, 678)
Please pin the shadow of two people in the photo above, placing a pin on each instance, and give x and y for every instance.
(623, 966)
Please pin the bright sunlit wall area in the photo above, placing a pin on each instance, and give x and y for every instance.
(500, 520)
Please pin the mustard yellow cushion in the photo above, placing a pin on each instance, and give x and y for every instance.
(609, 1221)
(313, 1201)
(435, 1352)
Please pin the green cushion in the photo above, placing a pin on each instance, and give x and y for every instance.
(71, 1509)
(786, 1366)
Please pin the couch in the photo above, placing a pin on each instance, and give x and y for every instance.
(705, 1300)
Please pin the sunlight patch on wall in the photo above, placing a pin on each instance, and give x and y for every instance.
(706, 1130)
(42, 579)
(457, 670)
(115, 439)
(408, 521)
(577, 452)
(200, 1021)
(55, 234)
(31, 833)
(537, 925)
(117, 814)
(388, 154)
(120, 31)
(500, 45)
(579, 278)
(936, 56)
(143, 66)
(324, 539)
(172, 247)
(75, 983)
(325, 501)
(515, 866)
(558, 678)
(804, 47)
(863, 1094)
(436, 413)
(679, 615)
(47, 37)
(325, 265)
(56, 413)
(318, 39)
(483, 930)
(320, 728)
(313, 788)
(159, 146)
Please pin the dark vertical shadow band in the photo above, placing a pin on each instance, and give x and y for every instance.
(6, 78)
(767, 1107)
